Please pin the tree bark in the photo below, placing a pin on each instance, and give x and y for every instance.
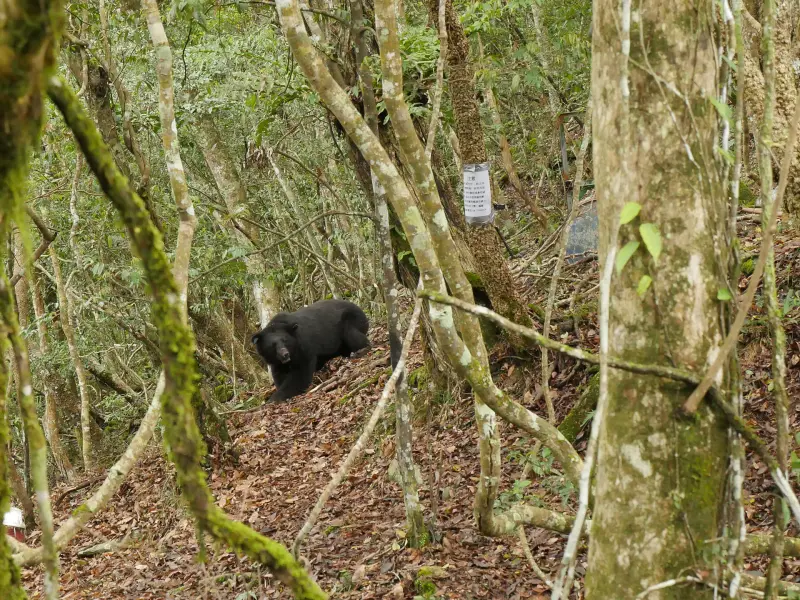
(53, 385)
(21, 493)
(234, 194)
(67, 321)
(403, 407)
(219, 330)
(660, 480)
(483, 240)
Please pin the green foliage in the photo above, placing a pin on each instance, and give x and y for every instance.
(629, 212)
(419, 48)
(425, 587)
(644, 285)
(790, 302)
(651, 237)
(624, 255)
(516, 494)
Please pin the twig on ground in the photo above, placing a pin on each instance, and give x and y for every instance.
(358, 447)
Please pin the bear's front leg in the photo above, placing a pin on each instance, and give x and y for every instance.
(296, 381)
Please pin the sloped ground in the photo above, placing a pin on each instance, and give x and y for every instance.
(288, 451)
(287, 454)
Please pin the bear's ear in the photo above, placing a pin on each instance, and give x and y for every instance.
(255, 337)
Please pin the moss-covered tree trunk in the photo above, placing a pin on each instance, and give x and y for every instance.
(660, 479)
(176, 346)
(10, 580)
(483, 240)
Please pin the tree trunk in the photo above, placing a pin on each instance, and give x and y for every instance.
(67, 321)
(219, 330)
(785, 88)
(483, 240)
(660, 479)
(234, 194)
(403, 406)
(21, 494)
(52, 388)
(99, 99)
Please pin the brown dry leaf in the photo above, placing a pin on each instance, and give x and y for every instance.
(359, 573)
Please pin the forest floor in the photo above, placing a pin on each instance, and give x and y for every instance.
(287, 452)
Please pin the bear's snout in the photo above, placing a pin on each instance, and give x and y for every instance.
(283, 356)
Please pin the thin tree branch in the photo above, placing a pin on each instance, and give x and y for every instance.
(576, 353)
(282, 240)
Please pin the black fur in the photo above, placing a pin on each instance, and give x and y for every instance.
(297, 344)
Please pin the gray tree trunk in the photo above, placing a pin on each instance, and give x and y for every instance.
(660, 479)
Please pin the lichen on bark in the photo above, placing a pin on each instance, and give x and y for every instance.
(660, 480)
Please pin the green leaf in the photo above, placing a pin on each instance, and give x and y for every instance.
(726, 155)
(724, 294)
(515, 82)
(734, 67)
(651, 237)
(629, 212)
(723, 109)
(644, 285)
(624, 255)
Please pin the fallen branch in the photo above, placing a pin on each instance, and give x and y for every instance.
(76, 488)
(358, 448)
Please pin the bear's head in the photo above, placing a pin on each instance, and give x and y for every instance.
(278, 342)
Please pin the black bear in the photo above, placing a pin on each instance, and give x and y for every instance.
(297, 344)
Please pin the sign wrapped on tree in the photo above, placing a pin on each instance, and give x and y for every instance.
(478, 208)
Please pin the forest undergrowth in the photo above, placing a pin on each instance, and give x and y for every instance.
(144, 546)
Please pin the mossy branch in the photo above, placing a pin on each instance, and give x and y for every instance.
(10, 579)
(576, 353)
(33, 432)
(177, 352)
